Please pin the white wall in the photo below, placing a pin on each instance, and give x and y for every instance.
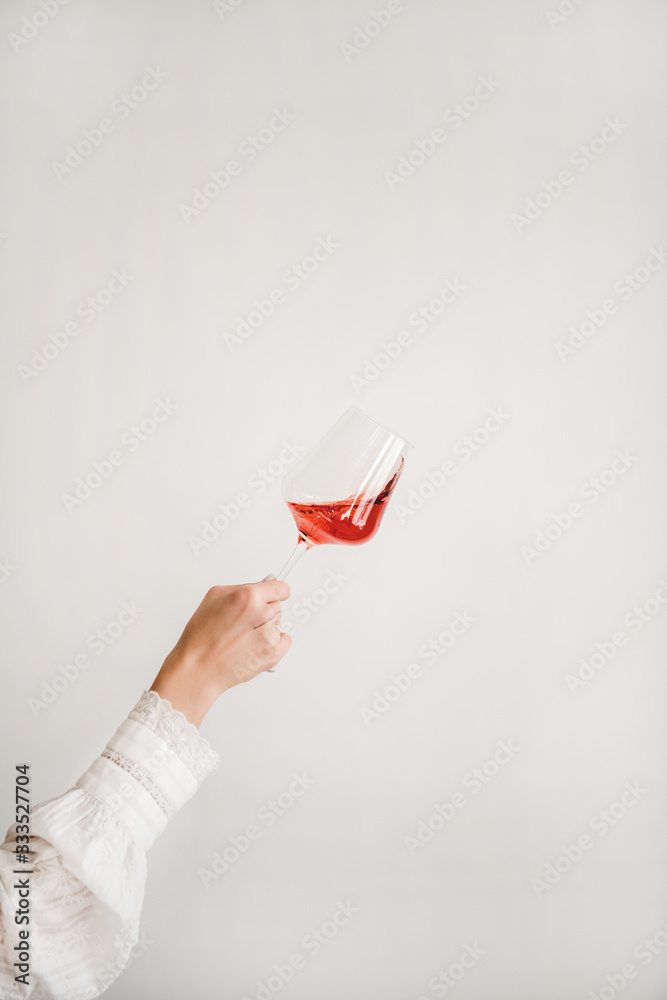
(527, 284)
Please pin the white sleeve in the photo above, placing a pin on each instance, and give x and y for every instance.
(88, 856)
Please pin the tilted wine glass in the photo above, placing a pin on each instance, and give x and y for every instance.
(337, 494)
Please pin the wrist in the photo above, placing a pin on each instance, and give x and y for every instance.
(180, 683)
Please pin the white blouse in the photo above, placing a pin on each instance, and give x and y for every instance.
(88, 856)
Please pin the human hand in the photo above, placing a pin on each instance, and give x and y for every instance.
(231, 637)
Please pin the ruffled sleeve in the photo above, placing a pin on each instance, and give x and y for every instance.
(88, 855)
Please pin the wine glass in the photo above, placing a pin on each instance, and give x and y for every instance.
(337, 494)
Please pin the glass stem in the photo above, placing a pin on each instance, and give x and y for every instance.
(299, 549)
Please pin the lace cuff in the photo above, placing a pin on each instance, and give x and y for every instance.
(181, 736)
(152, 765)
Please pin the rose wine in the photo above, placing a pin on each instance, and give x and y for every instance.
(346, 522)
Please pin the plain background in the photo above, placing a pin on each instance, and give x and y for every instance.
(324, 177)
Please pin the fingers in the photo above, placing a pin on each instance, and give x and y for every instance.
(268, 589)
(279, 650)
(271, 633)
(269, 647)
(262, 600)
(270, 630)
(272, 590)
(283, 646)
(269, 612)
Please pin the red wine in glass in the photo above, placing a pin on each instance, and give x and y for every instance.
(343, 522)
(339, 492)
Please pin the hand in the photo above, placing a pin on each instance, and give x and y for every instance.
(231, 637)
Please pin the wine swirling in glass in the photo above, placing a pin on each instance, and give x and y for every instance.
(338, 493)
